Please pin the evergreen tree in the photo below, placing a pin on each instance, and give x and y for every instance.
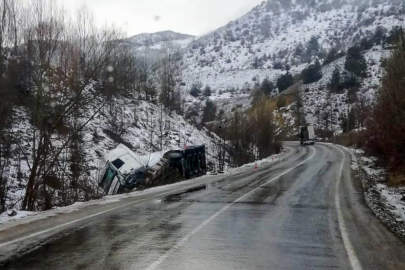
(210, 111)
(355, 61)
(257, 63)
(313, 47)
(299, 50)
(284, 82)
(379, 35)
(312, 74)
(349, 80)
(366, 43)
(207, 91)
(267, 86)
(393, 36)
(336, 80)
(195, 90)
(352, 95)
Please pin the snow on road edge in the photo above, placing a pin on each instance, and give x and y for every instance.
(387, 203)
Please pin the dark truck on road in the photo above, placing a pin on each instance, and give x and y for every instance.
(307, 135)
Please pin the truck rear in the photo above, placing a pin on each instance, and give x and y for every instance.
(307, 135)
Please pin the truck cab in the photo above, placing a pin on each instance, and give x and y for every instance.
(123, 170)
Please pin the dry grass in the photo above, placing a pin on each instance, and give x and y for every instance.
(290, 99)
(352, 139)
(396, 179)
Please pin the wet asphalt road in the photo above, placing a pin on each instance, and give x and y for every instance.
(249, 220)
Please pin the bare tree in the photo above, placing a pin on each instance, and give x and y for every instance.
(168, 78)
(298, 107)
(6, 101)
(117, 119)
(144, 82)
(362, 110)
(67, 57)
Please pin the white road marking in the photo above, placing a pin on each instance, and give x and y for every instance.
(354, 261)
(179, 244)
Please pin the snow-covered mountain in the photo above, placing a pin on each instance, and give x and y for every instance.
(159, 40)
(289, 34)
(280, 33)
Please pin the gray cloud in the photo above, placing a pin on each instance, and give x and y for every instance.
(186, 16)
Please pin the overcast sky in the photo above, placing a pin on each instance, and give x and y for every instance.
(195, 17)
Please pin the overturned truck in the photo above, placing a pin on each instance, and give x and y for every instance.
(123, 170)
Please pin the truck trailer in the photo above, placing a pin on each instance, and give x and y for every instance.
(307, 135)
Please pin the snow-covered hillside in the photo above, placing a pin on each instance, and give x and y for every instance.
(315, 96)
(159, 40)
(280, 33)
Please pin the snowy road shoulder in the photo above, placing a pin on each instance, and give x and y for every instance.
(387, 203)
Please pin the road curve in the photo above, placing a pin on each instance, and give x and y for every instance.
(303, 213)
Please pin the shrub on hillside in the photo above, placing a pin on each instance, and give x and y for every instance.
(313, 46)
(312, 73)
(196, 89)
(349, 80)
(267, 86)
(281, 101)
(284, 82)
(277, 65)
(393, 36)
(366, 43)
(207, 91)
(355, 61)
